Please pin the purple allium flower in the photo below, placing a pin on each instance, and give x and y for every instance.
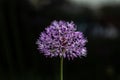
(62, 39)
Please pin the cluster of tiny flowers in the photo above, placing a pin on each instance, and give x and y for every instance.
(62, 39)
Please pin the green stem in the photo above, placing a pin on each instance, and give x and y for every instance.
(61, 68)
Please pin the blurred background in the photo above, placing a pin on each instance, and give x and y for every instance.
(21, 22)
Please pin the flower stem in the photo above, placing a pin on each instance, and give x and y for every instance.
(61, 68)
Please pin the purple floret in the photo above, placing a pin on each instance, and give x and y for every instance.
(62, 39)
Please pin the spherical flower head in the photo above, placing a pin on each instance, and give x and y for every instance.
(62, 39)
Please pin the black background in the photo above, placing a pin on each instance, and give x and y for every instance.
(20, 26)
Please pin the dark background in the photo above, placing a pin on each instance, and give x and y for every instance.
(21, 22)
